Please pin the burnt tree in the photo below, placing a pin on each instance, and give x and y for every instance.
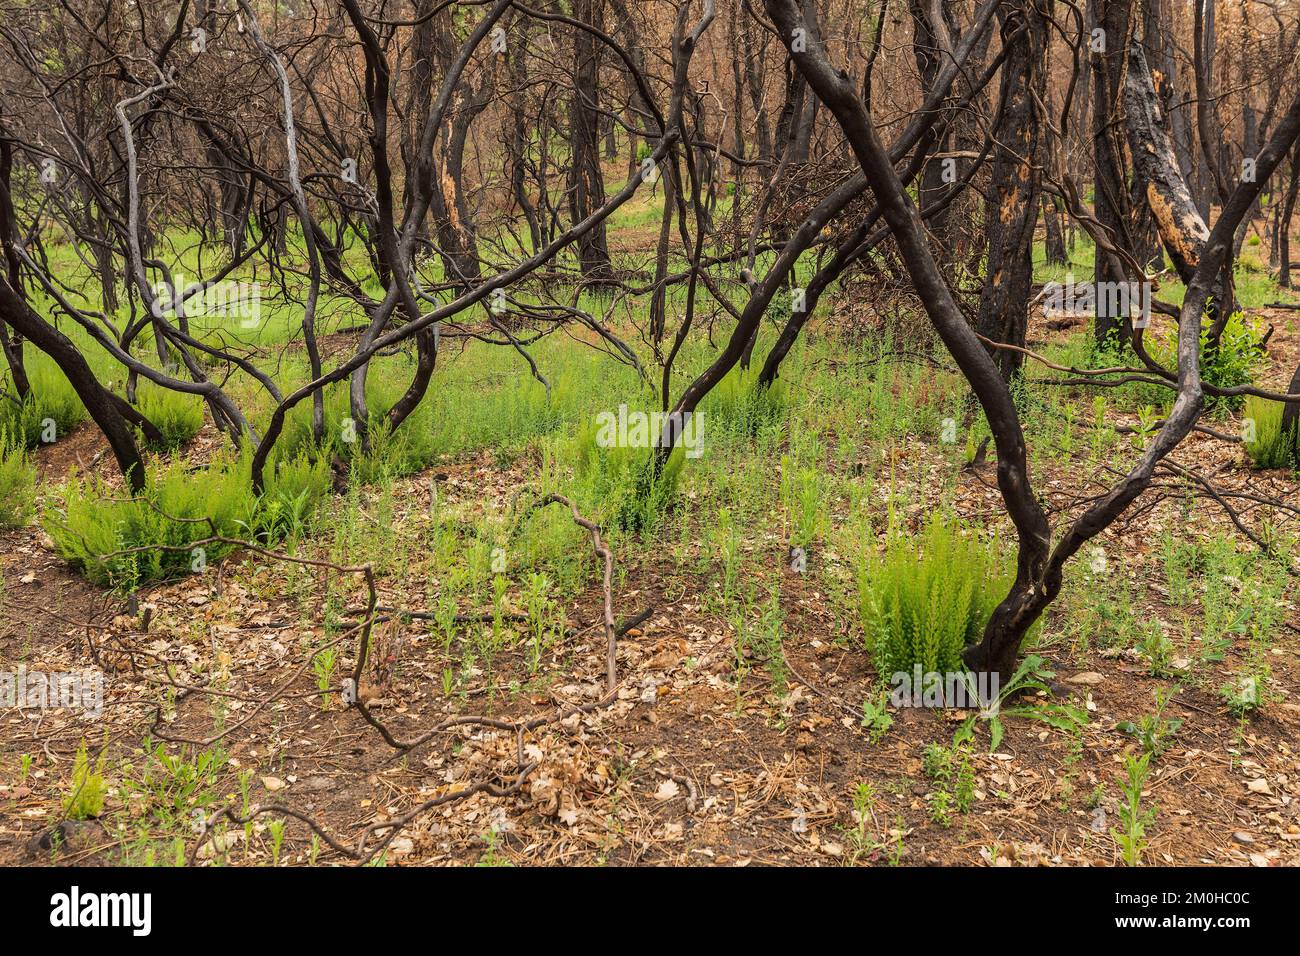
(1013, 206)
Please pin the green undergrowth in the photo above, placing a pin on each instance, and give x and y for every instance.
(929, 596)
(123, 542)
(17, 483)
(1267, 444)
(50, 409)
(177, 415)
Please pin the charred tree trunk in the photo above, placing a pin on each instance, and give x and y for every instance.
(454, 233)
(753, 63)
(611, 138)
(457, 236)
(103, 406)
(802, 148)
(969, 132)
(1013, 206)
(1111, 189)
(738, 124)
(1181, 227)
(11, 345)
(520, 146)
(230, 219)
(586, 182)
(1055, 244)
(791, 109)
(1167, 194)
(1284, 226)
(929, 60)
(1291, 416)
(1204, 44)
(420, 86)
(105, 265)
(426, 355)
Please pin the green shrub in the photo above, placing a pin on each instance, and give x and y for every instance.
(736, 406)
(17, 483)
(178, 415)
(402, 452)
(804, 496)
(509, 408)
(50, 410)
(295, 488)
(87, 790)
(1235, 362)
(1266, 444)
(391, 453)
(927, 598)
(621, 482)
(177, 508)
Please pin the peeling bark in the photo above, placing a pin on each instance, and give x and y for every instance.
(1155, 161)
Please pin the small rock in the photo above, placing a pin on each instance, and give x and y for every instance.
(1085, 677)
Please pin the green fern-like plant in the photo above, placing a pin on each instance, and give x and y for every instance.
(97, 529)
(49, 411)
(17, 483)
(1267, 443)
(178, 415)
(738, 406)
(622, 482)
(928, 597)
(87, 791)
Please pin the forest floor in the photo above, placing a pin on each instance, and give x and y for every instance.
(710, 753)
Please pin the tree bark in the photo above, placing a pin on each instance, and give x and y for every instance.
(1111, 188)
(1170, 199)
(929, 60)
(1013, 206)
(12, 346)
(1055, 245)
(586, 182)
(1284, 226)
(102, 405)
